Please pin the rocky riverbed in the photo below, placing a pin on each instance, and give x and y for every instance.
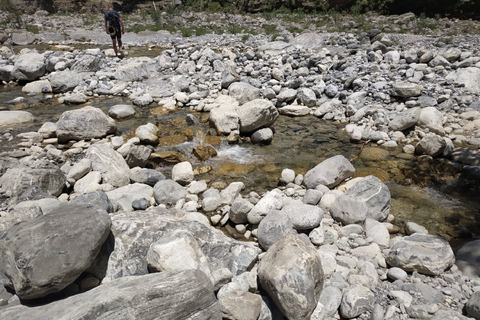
(92, 226)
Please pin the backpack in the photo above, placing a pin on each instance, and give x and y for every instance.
(113, 18)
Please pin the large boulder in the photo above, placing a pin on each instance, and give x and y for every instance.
(85, 123)
(23, 38)
(405, 119)
(303, 216)
(243, 92)
(469, 77)
(86, 63)
(63, 81)
(16, 117)
(109, 163)
(225, 118)
(39, 86)
(270, 202)
(431, 118)
(329, 172)
(431, 145)
(44, 179)
(256, 114)
(123, 197)
(291, 273)
(427, 254)
(135, 69)
(168, 192)
(468, 259)
(47, 253)
(166, 295)
(273, 228)
(368, 198)
(135, 232)
(29, 66)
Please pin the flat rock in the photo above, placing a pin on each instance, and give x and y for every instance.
(330, 172)
(166, 295)
(15, 118)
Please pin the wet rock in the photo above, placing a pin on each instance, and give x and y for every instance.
(168, 192)
(121, 111)
(168, 156)
(6, 73)
(262, 136)
(109, 163)
(144, 297)
(256, 114)
(46, 254)
(468, 258)
(29, 66)
(330, 172)
(431, 145)
(14, 118)
(293, 257)
(427, 254)
(204, 152)
(63, 81)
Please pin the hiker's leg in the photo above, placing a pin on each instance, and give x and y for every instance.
(114, 43)
(120, 46)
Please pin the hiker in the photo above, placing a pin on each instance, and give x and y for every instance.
(113, 21)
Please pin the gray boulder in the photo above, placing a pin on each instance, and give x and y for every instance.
(356, 300)
(146, 176)
(240, 305)
(256, 114)
(168, 192)
(147, 133)
(262, 136)
(123, 197)
(96, 198)
(47, 253)
(121, 111)
(85, 123)
(469, 77)
(468, 259)
(270, 202)
(239, 210)
(291, 274)
(86, 63)
(135, 69)
(427, 254)
(14, 118)
(307, 97)
(29, 66)
(225, 118)
(273, 228)
(39, 86)
(109, 163)
(431, 145)
(368, 198)
(23, 38)
(243, 92)
(153, 296)
(405, 119)
(473, 305)
(135, 232)
(431, 118)
(6, 72)
(303, 216)
(137, 155)
(406, 89)
(63, 81)
(329, 172)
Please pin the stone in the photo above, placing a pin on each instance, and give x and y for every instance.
(135, 232)
(85, 123)
(239, 210)
(109, 163)
(240, 305)
(29, 67)
(225, 118)
(121, 111)
(95, 198)
(135, 69)
(123, 197)
(148, 133)
(468, 259)
(256, 114)
(273, 228)
(63, 81)
(294, 110)
(141, 297)
(431, 144)
(426, 254)
(303, 216)
(44, 255)
(137, 155)
(307, 97)
(405, 119)
(293, 257)
(368, 198)
(182, 173)
(431, 118)
(473, 305)
(39, 86)
(168, 192)
(262, 136)
(230, 193)
(406, 89)
(23, 38)
(80, 169)
(287, 95)
(89, 183)
(412, 227)
(328, 304)
(271, 201)
(378, 232)
(356, 300)
(396, 273)
(330, 172)
(243, 92)
(146, 176)
(15, 118)
(469, 77)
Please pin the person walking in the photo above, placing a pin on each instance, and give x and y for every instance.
(114, 27)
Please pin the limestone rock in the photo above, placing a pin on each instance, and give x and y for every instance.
(240, 305)
(356, 300)
(243, 92)
(147, 133)
(47, 253)
(427, 254)
(431, 145)
(121, 111)
(63, 81)
(168, 192)
(29, 66)
(123, 197)
(273, 228)
(256, 114)
(303, 216)
(406, 89)
(291, 273)
(182, 173)
(109, 163)
(330, 172)
(15, 118)
(405, 119)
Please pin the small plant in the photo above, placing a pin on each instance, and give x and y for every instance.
(234, 29)
(245, 37)
(269, 28)
(155, 15)
(214, 7)
(186, 32)
(6, 5)
(32, 28)
(294, 29)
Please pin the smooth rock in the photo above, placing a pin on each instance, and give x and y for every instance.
(330, 172)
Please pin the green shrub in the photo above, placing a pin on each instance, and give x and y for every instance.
(214, 7)
(245, 37)
(32, 28)
(269, 28)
